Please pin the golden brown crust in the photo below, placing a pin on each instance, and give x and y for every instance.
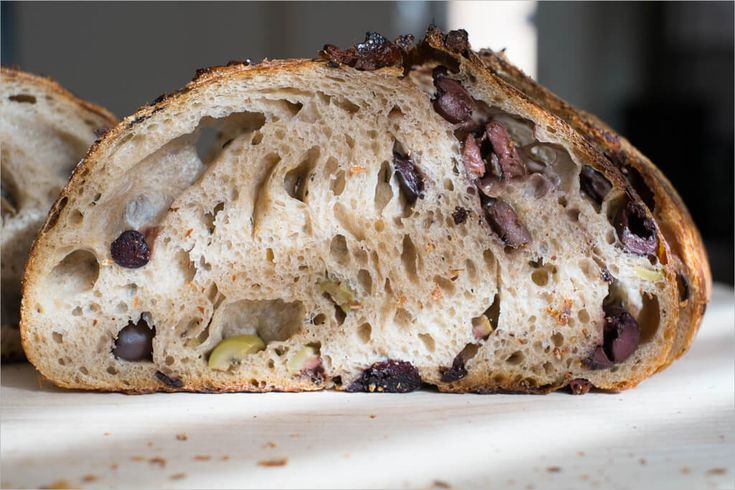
(685, 243)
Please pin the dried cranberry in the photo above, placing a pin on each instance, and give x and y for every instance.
(594, 184)
(388, 376)
(409, 178)
(130, 250)
(135, 342)
(636, 231)
(505, 223)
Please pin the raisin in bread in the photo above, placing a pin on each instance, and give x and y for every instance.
(686, 249)
(379, 218)
(44, 132)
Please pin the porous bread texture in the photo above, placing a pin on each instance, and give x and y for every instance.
(684, 243)
(299, 189)
(44, 132)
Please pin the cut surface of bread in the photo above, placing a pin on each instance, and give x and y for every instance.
(382, 217)
(686, 248)
(44, 132)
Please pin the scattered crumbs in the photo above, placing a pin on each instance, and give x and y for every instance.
(106, 434)
(158, 461)
(372, 416)
(182, 437)
(150, 444)
(553, 469)
(177, 476)
(643, 461)
(137, 458)
(437, 483)
(59, 484)
(685, 470)
(89, 478)
(226, 457)
(202, 457)
(273, 462)
(269, 445)
(716, 471)
(580, 454)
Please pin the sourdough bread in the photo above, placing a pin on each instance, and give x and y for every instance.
(44, 132)
(381, 217)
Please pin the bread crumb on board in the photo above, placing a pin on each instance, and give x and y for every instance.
(269, 463)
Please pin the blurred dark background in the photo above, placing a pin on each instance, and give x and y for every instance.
(660, 73)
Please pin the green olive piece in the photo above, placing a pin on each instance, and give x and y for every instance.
(340, 294)
(296, 364)
(234, 349)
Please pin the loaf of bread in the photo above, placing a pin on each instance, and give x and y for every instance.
(44, 132)
(383, 217)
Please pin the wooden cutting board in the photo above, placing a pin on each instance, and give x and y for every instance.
(675, 431)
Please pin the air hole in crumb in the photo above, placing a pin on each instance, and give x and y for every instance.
(364, 332)
(77, 311)
(540, 277)
(409, 258)
(365, 281)
(583, 316)
(338, 250)
(211, 217)
(121, 307)
(111, 370)
(320, 319)
(428, 341)
(444, 283)
(557, 339)
(649, 317)
(489, 260)
(272, 320)
(403, 318)
(297, 179)
(271, 364)
(76, 217)
(548, 368)
(448, 185)
(573, 214)
(84, 370)
(58, 338)
(76, 273)
(610, 237)
(383, 190)
(562, 201)
(23, 98)
(515, 358)
(169, 360)
(346, 105)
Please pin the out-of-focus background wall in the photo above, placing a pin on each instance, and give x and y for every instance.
(660, 73)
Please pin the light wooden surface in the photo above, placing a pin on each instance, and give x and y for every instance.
(675, 431)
